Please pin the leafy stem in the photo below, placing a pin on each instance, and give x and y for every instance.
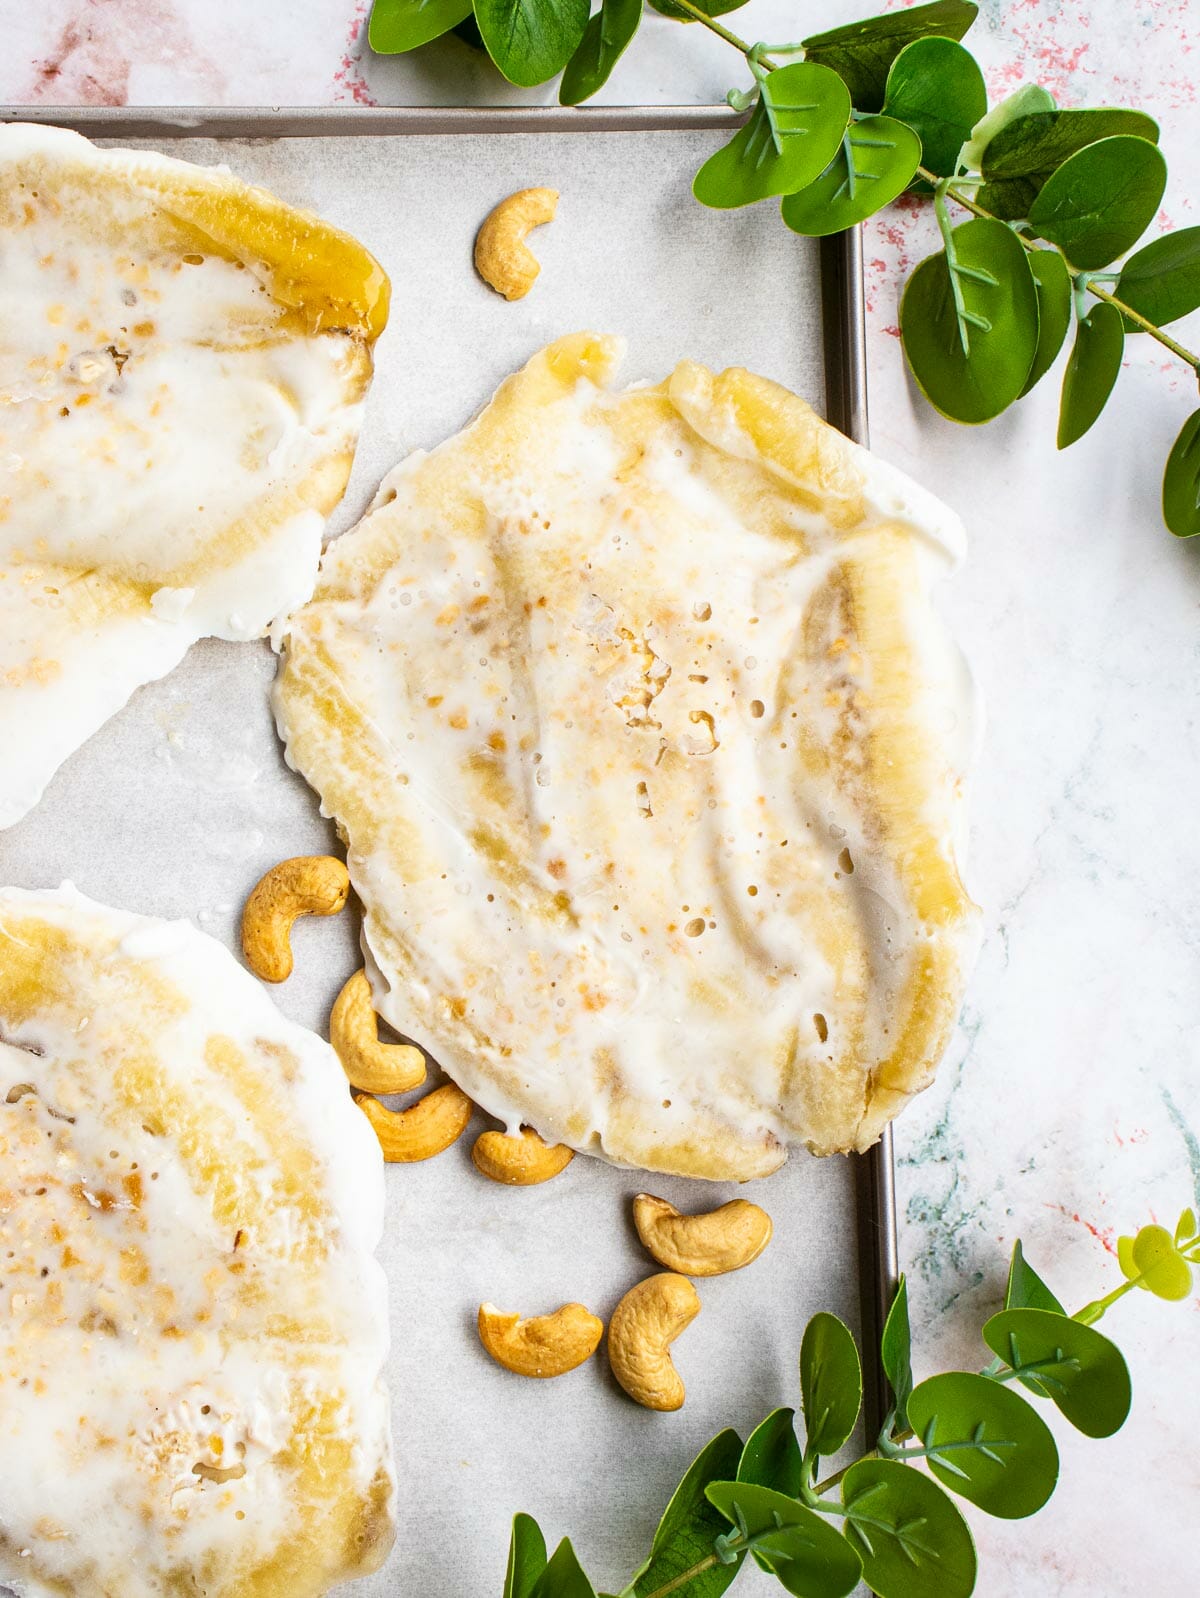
(969, 203)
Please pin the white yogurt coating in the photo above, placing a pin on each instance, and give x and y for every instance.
(194, 1328)
(175, 424)
(650, 753)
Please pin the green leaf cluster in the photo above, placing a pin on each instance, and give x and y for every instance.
(854, 117)
(895, 1524)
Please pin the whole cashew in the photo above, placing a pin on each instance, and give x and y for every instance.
(369, 1064)
(644, 1325)
(308, 885)
(544, 1345)
(502, 258)
(426, 1128)
(522, 1161)
(702, 1245)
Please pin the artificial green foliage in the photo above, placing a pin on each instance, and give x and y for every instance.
(1092, 371)
(846, 121)
(526, 1557)
(1181, 481)
(690, 1524)
(604, 42)
(912, 1540)
(531, 40)
(793, 132)
(1162, 281)
(805, 1552)
(877, 157)
(830, 1384)
(895, 1353)
(1100, 201)
(895, 1523)
(863, 52)
(936, 88)
(1076, 1367)
(400, 25)
(969, 321)
(1052, 281)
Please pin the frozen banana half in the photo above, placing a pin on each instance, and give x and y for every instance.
(650, 752)
(194, 1329)
(183, 360)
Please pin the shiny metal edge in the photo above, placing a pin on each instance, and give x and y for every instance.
(312, 121)
(844, 322)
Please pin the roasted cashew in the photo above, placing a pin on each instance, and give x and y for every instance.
(502, 258)
(426, 1128)
(308, 885)
(644, 1325)
(521, 1161)
(702, 1245)
(545, 1345)
(369, 1064)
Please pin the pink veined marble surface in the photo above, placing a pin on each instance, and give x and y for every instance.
(1068, 1108)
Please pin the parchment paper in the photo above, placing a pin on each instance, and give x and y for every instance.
(179, 804)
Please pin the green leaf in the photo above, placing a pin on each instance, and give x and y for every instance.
(1030, 97)
(863, 52)
(875, 162)
(710, 8)
(602, 46)
(531, 40)
(913, 1541)
(772, 1456)
(689, 1524)
(399, 25)
(1091, 373)
(1100, 201)
(1018, 160)
(526, 1557)
(1074, 1366)
(985, 1442)
(936, 87)
(1053, 284)
(806, 1554)
(895, 1348)
(1151, 1257)
(1185, 1228)
(563, 1577)
(971, 360)
(1162, 281)
(830, 1383)
(1025, 1289)
(793, 133)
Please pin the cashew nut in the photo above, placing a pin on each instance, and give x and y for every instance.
(426, 1128)
(545, 1345)
(702, 1245)
(644, 1325)
(369, 1064)
(502, 258)
(309, 885)
(521, 1161)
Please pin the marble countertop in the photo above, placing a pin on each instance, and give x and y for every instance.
(1068, 1109)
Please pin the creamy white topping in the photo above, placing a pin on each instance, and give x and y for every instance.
(170, 439)
(650, 753)
(193, 1330)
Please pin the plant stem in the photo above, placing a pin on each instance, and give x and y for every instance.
(972, 205)
(713, 26)
(682, 1580)
(1090, 1313)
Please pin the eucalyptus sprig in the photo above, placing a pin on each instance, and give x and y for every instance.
(881, 1520)
(842, 123)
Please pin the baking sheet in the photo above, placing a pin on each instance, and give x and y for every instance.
(180, 803)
